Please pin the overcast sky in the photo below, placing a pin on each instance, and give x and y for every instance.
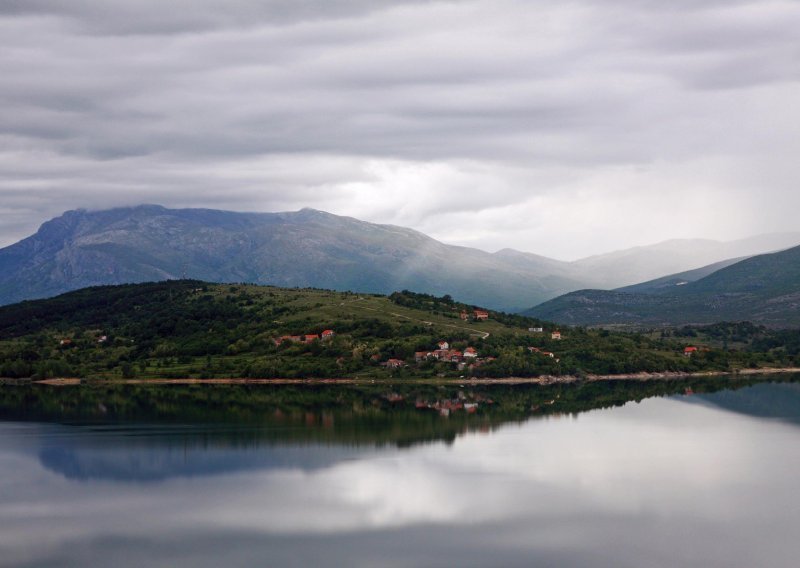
(564, 128)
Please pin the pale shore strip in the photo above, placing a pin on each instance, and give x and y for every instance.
(542, 380)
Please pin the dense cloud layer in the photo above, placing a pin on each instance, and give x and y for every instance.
(560, 128)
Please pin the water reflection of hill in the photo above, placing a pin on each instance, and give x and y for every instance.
(398, 415)
(779, 401)
(124, 455)
(151, 433)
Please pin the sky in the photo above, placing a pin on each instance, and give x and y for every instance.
(564, 128)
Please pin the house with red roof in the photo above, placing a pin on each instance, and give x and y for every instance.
(441, 354)
(540, 352)
(470, 352)
(689, 351)
(422, 356)
(481, 315)
(292, 338)
(327, 334)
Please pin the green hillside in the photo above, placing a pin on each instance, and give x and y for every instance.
(764, 289)
(185, 329)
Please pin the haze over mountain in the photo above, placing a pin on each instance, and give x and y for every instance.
(304, 248)
(317, 249)
(763, 289)
(639, 264)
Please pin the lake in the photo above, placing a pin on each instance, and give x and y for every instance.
(602, 475)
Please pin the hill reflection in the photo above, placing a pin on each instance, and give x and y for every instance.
(153, 433)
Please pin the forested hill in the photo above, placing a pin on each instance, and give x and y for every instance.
(185, 328)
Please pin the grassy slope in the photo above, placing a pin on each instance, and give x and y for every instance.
(195, 329)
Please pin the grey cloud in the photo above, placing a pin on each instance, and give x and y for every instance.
(120, 17)
(123, 102)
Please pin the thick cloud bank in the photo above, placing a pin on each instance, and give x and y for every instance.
(562, 128)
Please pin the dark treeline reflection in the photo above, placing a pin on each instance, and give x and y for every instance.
(374, 415)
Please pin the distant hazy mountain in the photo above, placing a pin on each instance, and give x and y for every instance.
(639, 264)
(666, 284)
(317, 249)
(763, 289)
(644, 263)
(304, 248)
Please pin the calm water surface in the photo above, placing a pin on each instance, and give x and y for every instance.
(705, 480)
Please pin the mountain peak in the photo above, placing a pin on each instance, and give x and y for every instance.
(305, 248)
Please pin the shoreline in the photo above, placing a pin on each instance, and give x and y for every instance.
(542, 380)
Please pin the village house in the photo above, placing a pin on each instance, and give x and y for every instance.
(470, 352)
(464, 315)
(65, 342)
(292, 338)
(395, 363)
(307, 338)
(444, 345)
(536, 329)
(441, 354)
(481, 315)
(420, 356)
(540, 352)
(689, 351)
(556, 335)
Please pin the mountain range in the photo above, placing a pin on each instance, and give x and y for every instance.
(311, 248)
(763, 289)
